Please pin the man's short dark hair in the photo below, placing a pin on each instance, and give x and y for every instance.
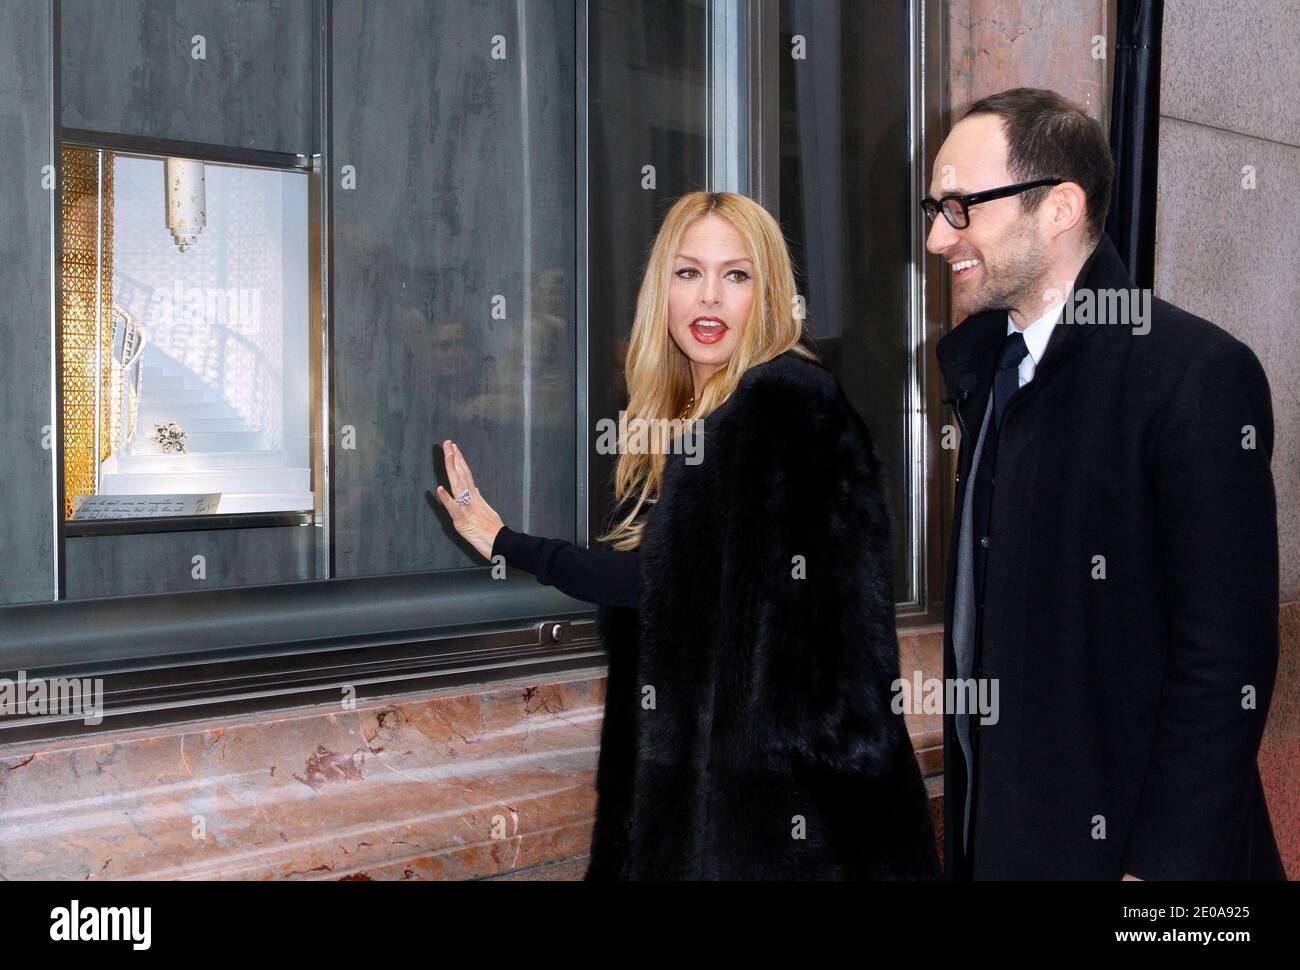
(1049, 136)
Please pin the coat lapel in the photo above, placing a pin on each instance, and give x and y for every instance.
(1103, 271)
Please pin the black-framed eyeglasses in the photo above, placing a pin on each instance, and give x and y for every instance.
(955, 206)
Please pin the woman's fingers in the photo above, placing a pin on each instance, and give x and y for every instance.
(458, 472)
(455, 477)
(459, 478)
(449, 503)
(463, 465)
(477, 522)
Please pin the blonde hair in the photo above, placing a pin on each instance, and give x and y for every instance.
(658, 374)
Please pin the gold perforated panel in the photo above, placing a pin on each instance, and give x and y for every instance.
(87, 314)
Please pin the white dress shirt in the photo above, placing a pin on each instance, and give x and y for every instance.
(1036, 336)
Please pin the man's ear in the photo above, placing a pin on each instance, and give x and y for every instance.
(1065, 207)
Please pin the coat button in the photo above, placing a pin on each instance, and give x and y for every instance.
(986, 542)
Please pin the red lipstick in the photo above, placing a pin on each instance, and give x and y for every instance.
(708, 330)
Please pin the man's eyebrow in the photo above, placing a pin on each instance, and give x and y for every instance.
(954, 191)
(725, 262)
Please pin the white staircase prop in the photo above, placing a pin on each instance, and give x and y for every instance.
(222, 453)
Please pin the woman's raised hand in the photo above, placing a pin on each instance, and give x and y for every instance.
(476, 521)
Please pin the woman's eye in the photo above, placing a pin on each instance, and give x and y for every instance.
(691, 273)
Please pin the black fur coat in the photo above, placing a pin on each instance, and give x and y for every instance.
(748, 731)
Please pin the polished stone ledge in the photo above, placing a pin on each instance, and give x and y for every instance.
(453, 784)
(497, 781)
(446, 785)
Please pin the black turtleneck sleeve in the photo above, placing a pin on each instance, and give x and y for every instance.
(606, 578)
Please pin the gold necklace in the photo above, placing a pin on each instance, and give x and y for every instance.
(687, 410)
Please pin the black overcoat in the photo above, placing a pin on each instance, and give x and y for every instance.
(748, 732)
(1133, 696)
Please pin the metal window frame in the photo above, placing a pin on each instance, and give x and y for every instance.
(162, 147)
(727, 80)
(582, 241)
(932, 464)
(57, 463)
(175, 656)
(220, 684)
(320, 221)
(146, 147)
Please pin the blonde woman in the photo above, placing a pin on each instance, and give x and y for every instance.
(746, 604)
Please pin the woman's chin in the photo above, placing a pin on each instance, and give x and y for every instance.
(714, 354)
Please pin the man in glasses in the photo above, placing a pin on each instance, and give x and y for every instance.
(1114, 559)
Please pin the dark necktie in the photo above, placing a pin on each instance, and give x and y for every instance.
(1006, 381)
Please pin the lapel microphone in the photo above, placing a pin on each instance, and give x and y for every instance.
(967, 386)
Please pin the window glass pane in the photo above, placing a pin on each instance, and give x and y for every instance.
(649, 101)
(454, 171)
(847, 208)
